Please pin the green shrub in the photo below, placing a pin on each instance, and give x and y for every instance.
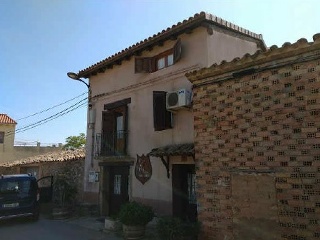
(64, 190)
(171, 228)
(135, 214)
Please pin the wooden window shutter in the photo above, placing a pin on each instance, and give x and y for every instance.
(144, 65)
(161, 117)
(108, 121)
(108, 131)
(1, 137)
(177, 51)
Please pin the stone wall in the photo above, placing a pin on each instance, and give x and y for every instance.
(75, 168)
(21, 152)
(257, 145)
(14, 153)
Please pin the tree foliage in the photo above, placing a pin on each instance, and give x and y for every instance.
(74, 142)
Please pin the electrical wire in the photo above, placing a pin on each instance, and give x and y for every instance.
(61, 113)
(50, 118)
(45, 110)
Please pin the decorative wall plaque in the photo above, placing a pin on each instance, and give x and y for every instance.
(143, 169)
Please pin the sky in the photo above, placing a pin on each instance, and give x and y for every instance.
(42, 40)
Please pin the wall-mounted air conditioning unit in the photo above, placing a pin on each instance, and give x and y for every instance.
(178, 99)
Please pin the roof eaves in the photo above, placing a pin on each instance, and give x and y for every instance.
(5, 119)
(164, 35)
(259, 57)
(186, 149)
(169, 33)
(61, 156)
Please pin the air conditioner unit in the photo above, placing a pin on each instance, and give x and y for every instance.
(178, 99)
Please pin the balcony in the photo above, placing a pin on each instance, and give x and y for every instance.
(111, 143)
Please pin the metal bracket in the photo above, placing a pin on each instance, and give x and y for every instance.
(166, 164)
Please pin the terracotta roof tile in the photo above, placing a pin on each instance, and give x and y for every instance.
(5, 119)
(61, 156)
(195, 21)
(173, 150)
(259, 57)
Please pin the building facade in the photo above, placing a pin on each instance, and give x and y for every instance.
(7, 132)
(9, 152)
(257, 144)
(140, 137)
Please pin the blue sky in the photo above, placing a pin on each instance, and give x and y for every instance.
(42, 40)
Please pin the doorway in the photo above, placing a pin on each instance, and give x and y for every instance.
(118, 185)
(184, 192)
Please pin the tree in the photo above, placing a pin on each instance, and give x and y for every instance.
(74, 142)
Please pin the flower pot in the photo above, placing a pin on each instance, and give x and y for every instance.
(133, 232)
(112, 225)
(60, 213)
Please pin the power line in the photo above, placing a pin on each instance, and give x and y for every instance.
(34, 114)
(48, 119)
(61, 113)
(39, 124)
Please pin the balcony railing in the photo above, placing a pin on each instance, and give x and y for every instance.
(111, 143)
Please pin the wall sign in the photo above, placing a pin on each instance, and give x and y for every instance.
(93, 176)
(143, 169)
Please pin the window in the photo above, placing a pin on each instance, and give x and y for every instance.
(113, 141)
(161, 117)
(192, 188)
(117, 185)
(1, 137)
(161, 63)
(163, 60)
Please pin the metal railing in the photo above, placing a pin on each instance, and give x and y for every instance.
(112, 143)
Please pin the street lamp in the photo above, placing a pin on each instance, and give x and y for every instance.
(75, 76)
(91, 112)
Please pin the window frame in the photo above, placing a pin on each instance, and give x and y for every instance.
(116, 139)
(164, 55)
(1, 137)
(150, 64)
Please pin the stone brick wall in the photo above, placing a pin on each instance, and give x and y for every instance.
(257, 144)
(75, 167)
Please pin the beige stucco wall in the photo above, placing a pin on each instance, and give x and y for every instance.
(6, 148)
(121, 82)
(21, 152)
(9, 152)
(223, 45)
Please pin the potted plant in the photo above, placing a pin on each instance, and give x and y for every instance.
(64, 195)
(112, 223)
(134, 217)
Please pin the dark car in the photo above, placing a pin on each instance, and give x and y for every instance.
(19, 196)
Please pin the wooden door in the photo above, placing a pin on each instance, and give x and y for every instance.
(119, 176)
(183, 187)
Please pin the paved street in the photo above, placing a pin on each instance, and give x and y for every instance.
(47, 229)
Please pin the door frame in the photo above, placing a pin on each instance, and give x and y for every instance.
(105, 191)
(181, 207)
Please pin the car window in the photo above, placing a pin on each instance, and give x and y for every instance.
(12, 186)
(24, 186)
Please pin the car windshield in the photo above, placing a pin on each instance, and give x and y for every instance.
(15, 185)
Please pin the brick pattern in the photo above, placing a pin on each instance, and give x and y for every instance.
(263, 123)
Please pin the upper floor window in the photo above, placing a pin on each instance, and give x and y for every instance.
(113, 139)
(161, 117)
(1, 137)
(164, 60)
(160, 61)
